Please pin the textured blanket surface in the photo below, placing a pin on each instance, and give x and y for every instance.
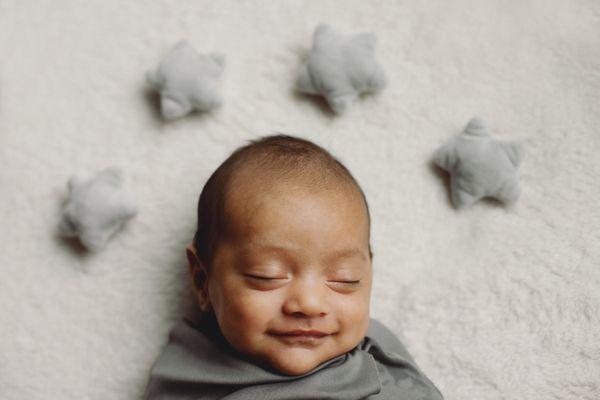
(493, 303)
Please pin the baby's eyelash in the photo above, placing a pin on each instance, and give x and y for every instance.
(262, 278)
(267, 279)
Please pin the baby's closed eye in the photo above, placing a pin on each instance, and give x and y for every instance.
(264, 277)
(350, 282)
(277, 279)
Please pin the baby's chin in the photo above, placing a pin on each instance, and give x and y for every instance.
(296, 361)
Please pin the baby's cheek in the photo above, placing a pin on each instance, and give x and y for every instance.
(252, 309)
(354, 313)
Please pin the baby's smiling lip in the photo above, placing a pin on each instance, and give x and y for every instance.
(301, 337)
(301, 333)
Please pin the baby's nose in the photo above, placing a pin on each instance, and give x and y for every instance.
(307, 297)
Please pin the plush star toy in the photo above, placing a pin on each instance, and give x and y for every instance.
(480, 166)
(96, 208)
(340, 68)
(187, 81)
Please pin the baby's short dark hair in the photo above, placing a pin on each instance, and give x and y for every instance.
(283, 157)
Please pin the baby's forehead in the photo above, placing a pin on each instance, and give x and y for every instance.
(253, 193)
(252, 180)
(249, 199)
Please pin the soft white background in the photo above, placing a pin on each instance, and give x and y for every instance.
(492, 303)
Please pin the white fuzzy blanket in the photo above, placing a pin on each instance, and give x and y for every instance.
(493, 303)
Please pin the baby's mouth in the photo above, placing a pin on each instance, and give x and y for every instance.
(301, 337)
(301, 333)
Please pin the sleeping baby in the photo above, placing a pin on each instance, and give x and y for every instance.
(281, 266)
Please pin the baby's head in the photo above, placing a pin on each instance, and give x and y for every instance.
(283, 245)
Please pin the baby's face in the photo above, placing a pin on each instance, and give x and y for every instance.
(294, 260)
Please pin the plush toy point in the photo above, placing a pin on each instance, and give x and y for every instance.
(187, 81)
(476, 127)
(340, 68)
(480, 166)
(96, 209)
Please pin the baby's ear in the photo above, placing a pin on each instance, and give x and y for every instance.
(190, 252)
(199, 277)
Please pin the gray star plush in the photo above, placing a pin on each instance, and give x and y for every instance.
(96, 208)
(340, 68)
(480, 166)
(187, 80)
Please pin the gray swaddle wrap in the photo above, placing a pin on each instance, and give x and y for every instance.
(199, 364)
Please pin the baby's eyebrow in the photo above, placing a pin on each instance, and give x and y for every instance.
(346, 253)
(329, 258)
(251, 247)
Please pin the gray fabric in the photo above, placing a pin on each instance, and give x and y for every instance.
(480, 166)
(96, 208)
(199, 364)
(341, 67)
